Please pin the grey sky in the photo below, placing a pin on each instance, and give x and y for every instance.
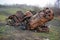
(28, 2)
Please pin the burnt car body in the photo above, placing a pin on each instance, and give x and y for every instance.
(32, 22)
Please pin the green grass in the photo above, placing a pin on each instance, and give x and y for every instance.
(52, 35)
(12, 10)
(2, 29)
(2, 18)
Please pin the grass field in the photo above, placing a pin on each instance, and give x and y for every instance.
(52, 35)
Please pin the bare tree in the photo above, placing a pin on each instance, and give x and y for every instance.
(57, 4)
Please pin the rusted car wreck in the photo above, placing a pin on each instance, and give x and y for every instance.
(30, 21)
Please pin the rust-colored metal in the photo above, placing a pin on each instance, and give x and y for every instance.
(33, 22)
(41, 18)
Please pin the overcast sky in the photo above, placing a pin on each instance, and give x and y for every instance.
(28, 2)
